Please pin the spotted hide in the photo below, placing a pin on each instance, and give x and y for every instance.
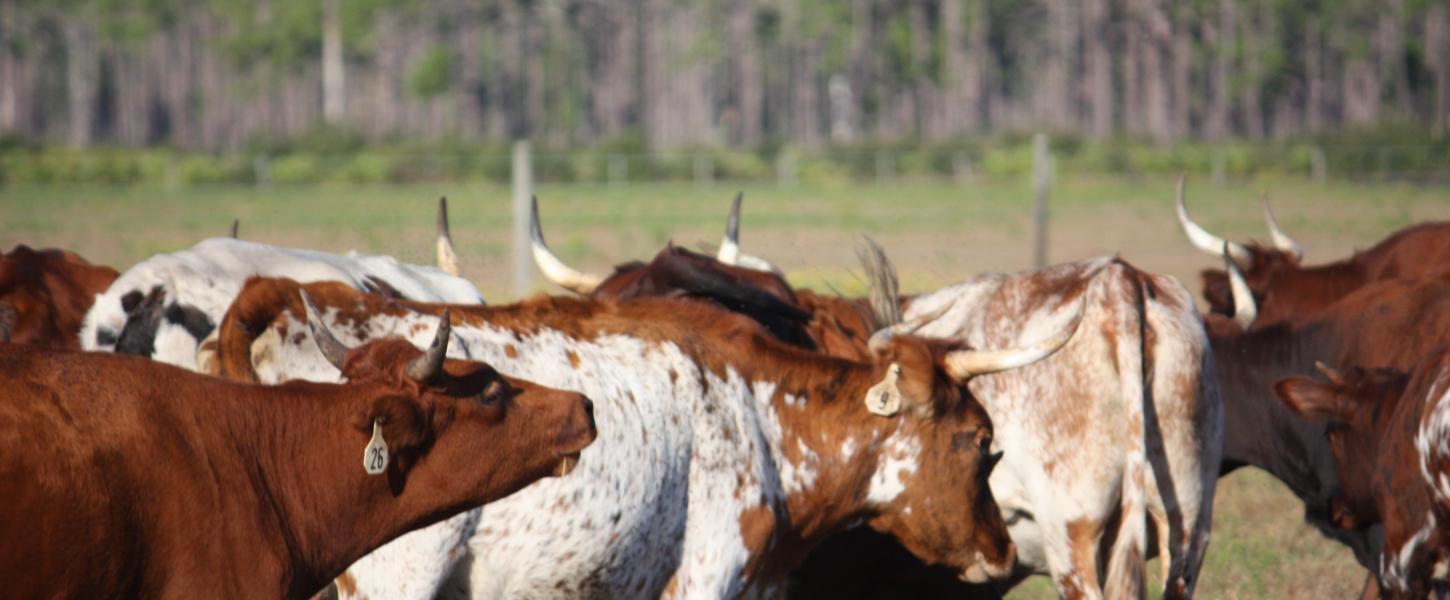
(167, 305)
(723, 457)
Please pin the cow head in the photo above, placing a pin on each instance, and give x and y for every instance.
(441, 415)
(1259, 263)
(44, 295)
(930, 485)
(1357, 405)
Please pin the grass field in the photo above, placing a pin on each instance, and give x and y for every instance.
(936, 233)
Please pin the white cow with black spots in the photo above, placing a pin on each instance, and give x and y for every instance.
(167, 305)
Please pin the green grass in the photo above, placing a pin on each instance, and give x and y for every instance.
(936, 232)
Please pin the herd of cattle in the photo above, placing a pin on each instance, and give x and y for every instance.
(694, 427)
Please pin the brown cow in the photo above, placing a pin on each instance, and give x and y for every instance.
(1283, 287)
(44, 295)
(129, 478)
(1389, 431)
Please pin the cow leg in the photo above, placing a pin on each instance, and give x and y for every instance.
(1080, 578)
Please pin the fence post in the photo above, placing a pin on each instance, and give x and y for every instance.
(1318, 164)
(523, 171)
(785, 168)
(1218, 171)
(1041, 177)
(704, 171)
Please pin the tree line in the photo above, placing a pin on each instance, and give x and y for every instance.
(672, 74)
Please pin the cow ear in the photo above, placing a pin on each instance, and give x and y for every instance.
(401, 421)
(1314, 400)
(884, 398)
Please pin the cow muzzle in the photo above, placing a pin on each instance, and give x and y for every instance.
(984, 570)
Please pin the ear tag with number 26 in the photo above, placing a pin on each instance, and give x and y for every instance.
(375, 455)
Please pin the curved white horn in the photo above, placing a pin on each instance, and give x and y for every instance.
(447, 258)
(1200, 237)
(551, 266)
(964, 364)
(1282, 240)
(425, 367)
(730, 253)
(333, 350)
(1245, 310)
(879, 339)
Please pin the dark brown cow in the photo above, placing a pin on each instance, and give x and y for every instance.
(44, 295)
(835, 326)
(129, 478)
(1283, 287)
(1384, 324)
(1390, 434)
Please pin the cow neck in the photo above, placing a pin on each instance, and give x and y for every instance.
(1260, 431)
(308, 475)
(818, 403)
(1307, 289)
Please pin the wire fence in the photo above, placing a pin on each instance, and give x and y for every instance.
(1428, 162)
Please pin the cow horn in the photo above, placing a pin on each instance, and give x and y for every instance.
(730, 253)
(447, 258)
(425, 367)
(1200, 237)
(235, 224)
(1245, 309)
(1329, 373)
(964, 364)
(882, 336)
(553, 268)
(1282, 240)
(333, 350)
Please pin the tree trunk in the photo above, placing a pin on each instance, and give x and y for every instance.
(334, 92)
(1097, 62)
(82, 76)
(1437, 53)
(1221, 39)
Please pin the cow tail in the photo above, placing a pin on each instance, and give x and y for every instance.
(1127, 559)
(259, 303)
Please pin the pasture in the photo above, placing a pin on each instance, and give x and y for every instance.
(936, 232)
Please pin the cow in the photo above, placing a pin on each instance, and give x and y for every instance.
(802, 318)
(1283, 287)
(725, 455)
(1390, 435)
(168, 305)
(127, 477)
(1147, 444)
(44, 294)
(1384, 324)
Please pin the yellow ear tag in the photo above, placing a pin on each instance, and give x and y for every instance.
(375, 455)
(885, 398)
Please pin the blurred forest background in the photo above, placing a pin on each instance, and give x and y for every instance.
(740, 80)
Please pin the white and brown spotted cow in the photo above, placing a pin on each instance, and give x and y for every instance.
(1125, 420)
(723, 457)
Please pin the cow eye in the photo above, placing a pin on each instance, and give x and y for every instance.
(494, 392)
(984, 443)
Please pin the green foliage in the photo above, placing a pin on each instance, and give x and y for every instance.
(433, 74)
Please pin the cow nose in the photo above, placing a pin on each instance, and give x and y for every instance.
(589, 410)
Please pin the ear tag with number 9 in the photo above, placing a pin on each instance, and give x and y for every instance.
(375, 455)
